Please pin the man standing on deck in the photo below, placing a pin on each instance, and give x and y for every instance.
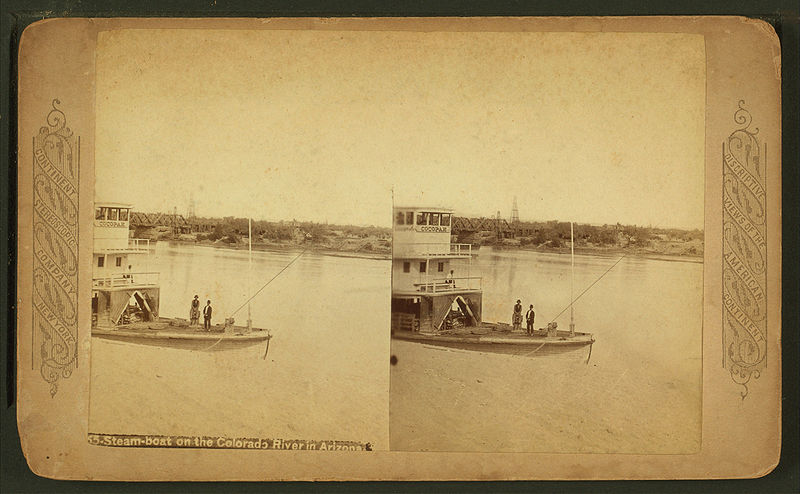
(517, 317)
(529, 317)
(194, 312)
(207, 316)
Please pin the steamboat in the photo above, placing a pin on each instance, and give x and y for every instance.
(125, 302)
(433, 306)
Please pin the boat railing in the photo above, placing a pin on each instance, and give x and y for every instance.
(461, 249)
(433, 249)
(120, 280)
(451, 284)
(120, 246)
(139, 244)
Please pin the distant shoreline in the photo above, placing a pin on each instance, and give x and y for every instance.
(385, 256)
(609, 252)
(372, 242)
(263, 247)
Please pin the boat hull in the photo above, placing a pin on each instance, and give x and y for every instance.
(538, 345)
(172, 334)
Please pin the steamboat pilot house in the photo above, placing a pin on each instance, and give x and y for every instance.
(121, 291)
(432, 284)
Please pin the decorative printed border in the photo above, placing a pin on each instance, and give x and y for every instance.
(56, 161)
(744, 252)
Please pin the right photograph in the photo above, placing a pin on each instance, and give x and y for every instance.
(550, 299)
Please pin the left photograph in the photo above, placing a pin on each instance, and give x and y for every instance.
(239, 289)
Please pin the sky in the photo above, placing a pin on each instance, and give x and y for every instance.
(330, 125)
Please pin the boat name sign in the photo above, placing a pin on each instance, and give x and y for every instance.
(110, 223)
(423, 229)
(435, 229)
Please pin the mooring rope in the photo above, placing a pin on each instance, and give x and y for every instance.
(587, 289)
(213, 344)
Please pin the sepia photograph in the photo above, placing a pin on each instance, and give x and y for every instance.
(241, 271)
(248, 203)
(547, 264)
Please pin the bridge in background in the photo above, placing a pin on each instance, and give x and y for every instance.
(178, 222)
(183, 224)
(499, 226)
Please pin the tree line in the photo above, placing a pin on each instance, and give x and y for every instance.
(556, 234)
(232, 230)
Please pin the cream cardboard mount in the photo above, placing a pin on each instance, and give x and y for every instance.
(93, 91)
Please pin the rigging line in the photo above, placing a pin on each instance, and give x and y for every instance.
(270, 281)
(534, 351)
(587, 288)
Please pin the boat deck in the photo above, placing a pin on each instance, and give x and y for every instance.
(177, 333)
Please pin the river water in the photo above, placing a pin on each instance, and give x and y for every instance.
(642, 308)
(327, 374)
(640, 393)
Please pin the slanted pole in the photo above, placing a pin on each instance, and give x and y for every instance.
(463, 303)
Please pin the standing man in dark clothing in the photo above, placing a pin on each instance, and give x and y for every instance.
(529, 317)
(207, 316)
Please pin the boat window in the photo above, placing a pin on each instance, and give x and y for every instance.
(101, 261)
(435, 219)
(119, 261)
(123, 215)
(410, 218)
(422, 218)
(401, 218)
(113, 214)
(98, 213)
(406, 267)
(422, 267)
(441, 267)
(445, 219)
